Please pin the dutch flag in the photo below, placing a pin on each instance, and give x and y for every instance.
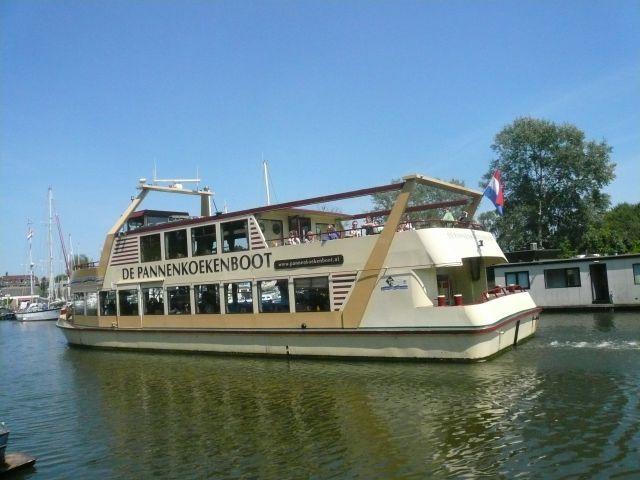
(494, 191)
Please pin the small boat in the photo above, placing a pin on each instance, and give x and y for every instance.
(11, 461)
(38, 312)
(241, 282)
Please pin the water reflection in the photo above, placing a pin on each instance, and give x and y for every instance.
(565, 404)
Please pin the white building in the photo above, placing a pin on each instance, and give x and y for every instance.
(577, 282)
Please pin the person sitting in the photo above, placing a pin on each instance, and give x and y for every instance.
(378, 226)
(355, 230)
(464, 218)
(407, 225)
(293, 238)
(368, 225)
(447, 218)
(331, 233)
(309, 237)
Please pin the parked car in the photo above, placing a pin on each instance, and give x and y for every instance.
(6, 314)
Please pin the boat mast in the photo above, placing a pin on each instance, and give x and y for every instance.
(29, 235)
(266, 179)
(50, 243)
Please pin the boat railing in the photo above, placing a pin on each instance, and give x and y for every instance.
(500, 291)
(368, 230)
(86, 265)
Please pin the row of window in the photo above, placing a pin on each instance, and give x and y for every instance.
(558, 277)
(204, 241)
(311, 295)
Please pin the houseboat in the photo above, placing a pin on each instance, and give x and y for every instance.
(285, 280)
(583, 282)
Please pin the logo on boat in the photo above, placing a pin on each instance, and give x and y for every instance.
(309, 262)
(393, 284)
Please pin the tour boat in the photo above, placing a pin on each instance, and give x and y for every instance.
(244, 282)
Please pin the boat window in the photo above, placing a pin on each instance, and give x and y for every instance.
(91, 304)
(234, 235)
(179, 300)
(238, 297)
(108, 303)
(312, 294)
(150, 248)
(175, 244)
(128, 300)
(203, 240)
(272, 231)
(207, 298)
(562, 277)
(153, 301)
(517, 278)
(78, 303)
(273, 295)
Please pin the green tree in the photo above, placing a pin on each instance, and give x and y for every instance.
(80, 259)
(553, 179)
(617, 232)
(423, 194)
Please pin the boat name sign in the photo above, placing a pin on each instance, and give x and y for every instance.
(198, 267)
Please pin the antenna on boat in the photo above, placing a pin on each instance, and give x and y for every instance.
(265, 168)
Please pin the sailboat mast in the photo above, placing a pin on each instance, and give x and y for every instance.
(50, 243)
(29, 235)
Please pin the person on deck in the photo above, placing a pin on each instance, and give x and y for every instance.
(331, 233)
(368, 225)
(293, 238)
(355, 230)
(447, 218)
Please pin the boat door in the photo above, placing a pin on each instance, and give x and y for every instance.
(444, 287)
(599, 283)
(300, 224)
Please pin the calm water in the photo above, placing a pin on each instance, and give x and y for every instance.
(563, 405)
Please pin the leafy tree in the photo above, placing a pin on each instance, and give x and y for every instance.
(553, 179)
(617, 232)
(80, 259)
(423, 194)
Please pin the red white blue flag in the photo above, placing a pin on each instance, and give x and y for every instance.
(495, 191)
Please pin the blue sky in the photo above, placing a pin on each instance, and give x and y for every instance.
(336, 94)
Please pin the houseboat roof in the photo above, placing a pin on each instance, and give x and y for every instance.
(581, 259)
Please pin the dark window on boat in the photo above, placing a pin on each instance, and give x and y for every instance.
(108, 303)
(235, 236)
(517, 278)
(207, 298)
(562, 277)
(238, 297)
(203, 240)
(636, 273)
(128, 300)
(78, 303)
(273, 295)
(153, 301)
(179, 300)
(91, 304)
(150, 248)
(312, 294)
(272, 231)
(175, 244)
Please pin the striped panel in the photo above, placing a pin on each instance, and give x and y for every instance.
(255, 235)
(341, 284)
(125, 250)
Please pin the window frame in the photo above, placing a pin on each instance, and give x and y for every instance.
(168, 299)
(223, 239)
(295, 293)
(194, 240)
(168, 244)
(94, 311)
(142, 250)
(636, 276)
(145, 300)
(216, 288)
(137, 313)
(102, 296)
(76, 298)
(566, 277)
(285, 290)
(517, 274)
(226, 298)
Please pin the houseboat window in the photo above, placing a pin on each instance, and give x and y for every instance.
(134, 223)
(78, 303)
(562, 277)
(108, 303)
(207, 298)
(175, 244)
(238, 297)
(179, 300)
(128, 300)
(274, 296)
(272, 231)
(636, 273)
(92, 304)
(312, 294)
(517, 278)
(203, 240)
(150, 248)
(235, 236)
(153, 301)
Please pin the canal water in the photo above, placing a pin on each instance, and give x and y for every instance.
(565, 404)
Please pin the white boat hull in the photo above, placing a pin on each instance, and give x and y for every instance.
(428, 343)
(42, 315)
